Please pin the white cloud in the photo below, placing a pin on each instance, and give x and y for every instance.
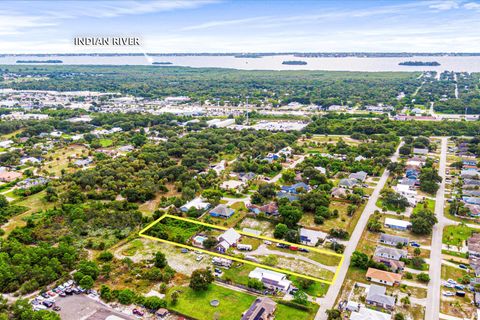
(472, 6)
(444, 5)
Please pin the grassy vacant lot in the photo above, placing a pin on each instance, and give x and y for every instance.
(61, 158)
(35, 203)
(316, 289)
(428, 204)
(449, 272)
(343, 221)
(456, 235)
(238, 273)
(105, 143)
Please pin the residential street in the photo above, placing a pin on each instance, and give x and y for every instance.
(328, 301)
(433, 293)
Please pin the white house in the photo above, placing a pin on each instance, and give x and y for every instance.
(271, 279)
(407, 192)
(310, 237)
(227, 239)
(397, 224)
(196, 203)
(365, 313)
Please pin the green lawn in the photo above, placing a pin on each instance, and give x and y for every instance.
(430, 205)
(455, 235)
(197, 304)
(238, 273)
(105, 142)
(288, 313)
(316, 289)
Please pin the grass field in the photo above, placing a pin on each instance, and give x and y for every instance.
(428, 204)
(456, 235)
(196, 304)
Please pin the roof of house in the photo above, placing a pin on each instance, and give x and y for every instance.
(420, 150)
(231, 236)
(361, 175)
(398, 223)
(348, 182)
(391, 252)
(369, 314)
(339, 192)
(391, 238)
(383, 275)
(474, 243)
(260, 309)
(395, 264)
(377, 294)
(222, 210)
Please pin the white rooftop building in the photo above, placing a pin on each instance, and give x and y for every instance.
(271, 279)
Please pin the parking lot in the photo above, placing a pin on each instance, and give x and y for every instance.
(81, 307)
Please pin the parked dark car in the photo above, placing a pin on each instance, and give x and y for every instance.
(48, 303)
(138, 312)
(57, 308)
(460, 293)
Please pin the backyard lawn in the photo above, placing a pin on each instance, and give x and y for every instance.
(196, 304)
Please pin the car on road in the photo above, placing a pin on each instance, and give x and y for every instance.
(414, 244)
(138, 312)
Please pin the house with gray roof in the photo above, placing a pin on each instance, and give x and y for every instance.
(392, 240)
(377, 297)
(348, 183)
(423, 151)
(390, 253)
(360, 176)
(222, 211)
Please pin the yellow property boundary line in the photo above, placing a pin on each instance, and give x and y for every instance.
(143, 235)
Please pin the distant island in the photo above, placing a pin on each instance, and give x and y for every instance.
(162, 62)
(39, 61)
(419, 63)
(295, 63)
(249, 55)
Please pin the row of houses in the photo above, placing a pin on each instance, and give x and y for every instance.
(470, 187)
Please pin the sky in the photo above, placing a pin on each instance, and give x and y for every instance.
(190, 26)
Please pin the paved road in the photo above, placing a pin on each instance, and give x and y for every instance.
(432, 310)
(328, 301)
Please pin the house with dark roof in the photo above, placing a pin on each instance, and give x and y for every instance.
(390, 253)
(393, 265)
(270, 209)
(263, 308)
(377, 297)
(392, 240)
